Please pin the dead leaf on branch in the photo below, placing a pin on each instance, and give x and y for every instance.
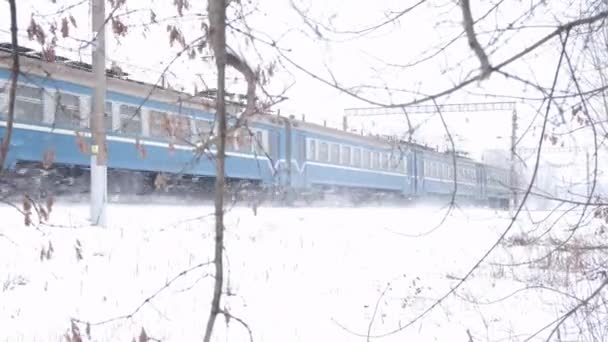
(140, 148)
(176, 35)
(65, 28)
(48, 158)
(82, 144)
(181, 5)
(119, 28)
(78, 248)
(36, 32)
(143, 337)
(117, 3)
(27, 211)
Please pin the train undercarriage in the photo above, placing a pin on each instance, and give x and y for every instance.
(70, 181)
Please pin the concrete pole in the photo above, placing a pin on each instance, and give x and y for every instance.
(99, 185)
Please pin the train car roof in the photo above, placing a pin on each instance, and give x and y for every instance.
(61, 68)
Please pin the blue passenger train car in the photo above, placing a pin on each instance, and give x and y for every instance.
(154, 131)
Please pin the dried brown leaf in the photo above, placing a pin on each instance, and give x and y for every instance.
(49, 251)
(119, 28)
(27, 204)
(181, 5)
(143, 337)
(78, 249)
(153, 17)
(82, 144)
(50, 200)
(65, 27)
(36, 32)
(48, 158)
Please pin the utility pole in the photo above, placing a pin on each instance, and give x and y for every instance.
(99, 185)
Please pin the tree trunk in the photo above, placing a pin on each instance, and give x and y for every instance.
(217, 37)
(6, 140)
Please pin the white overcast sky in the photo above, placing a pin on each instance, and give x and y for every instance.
(353, 60)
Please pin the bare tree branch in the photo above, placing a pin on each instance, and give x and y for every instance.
(486, 68)
(541, 42)
(503, 234)
(567, 315)
(145, 301)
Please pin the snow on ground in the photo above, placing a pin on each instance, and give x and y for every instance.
(294, 274)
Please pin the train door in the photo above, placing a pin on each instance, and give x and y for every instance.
(479, 181)
(287, 162)
(274, 151)
(299, 171)
(411, 171)
(482, 182)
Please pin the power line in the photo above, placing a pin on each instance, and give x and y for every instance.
(452, 107)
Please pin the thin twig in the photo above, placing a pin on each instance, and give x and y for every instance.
(145, 301)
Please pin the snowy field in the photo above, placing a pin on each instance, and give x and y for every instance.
(294, 274)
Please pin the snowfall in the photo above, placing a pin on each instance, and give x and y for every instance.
(320, 273)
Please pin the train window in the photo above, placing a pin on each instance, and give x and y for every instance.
(345, 155)
(67, 110)
(28, 103)
(159, 124)
(243, 140)
(311, 152)
(258, 146)
(395, 161)
(203, 129)
(334, 154)
(107, 115)
(357, 157)
(130, 119)
(183, 129)
(376, 160)
(366, 159)
(230, 142)
(323, 152)
(403, 164)
(385, 161)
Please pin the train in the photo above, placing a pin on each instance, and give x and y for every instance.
(154, 134)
